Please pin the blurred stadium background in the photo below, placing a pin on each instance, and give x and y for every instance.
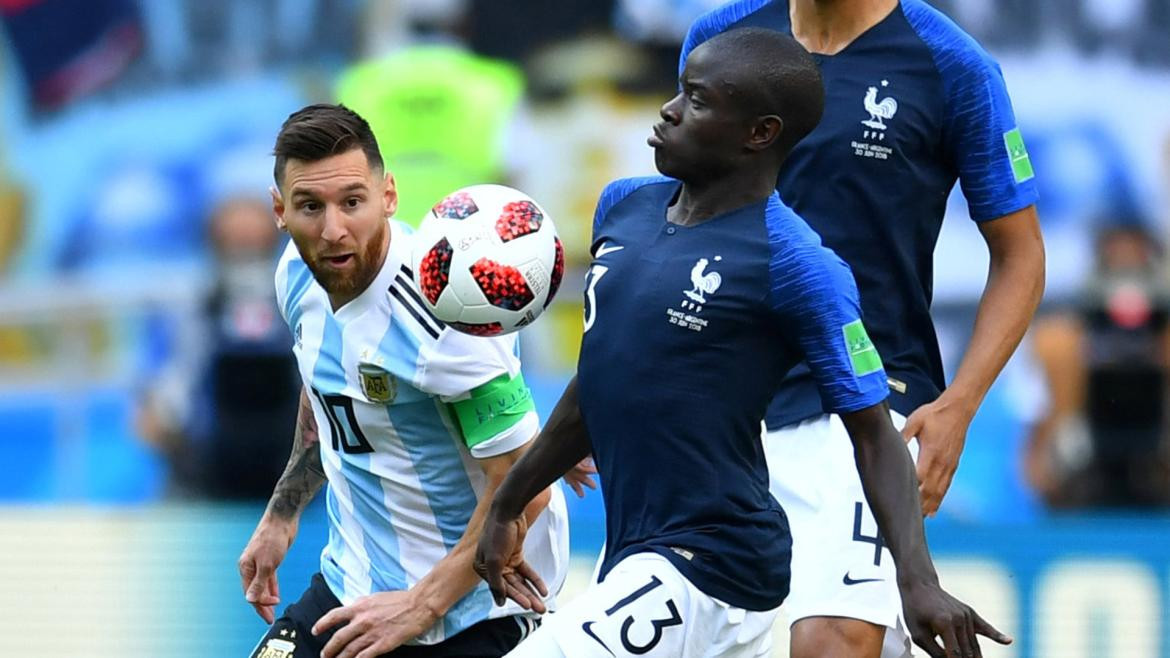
(134, 144)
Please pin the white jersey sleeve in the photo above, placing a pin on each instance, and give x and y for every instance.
(457, 364)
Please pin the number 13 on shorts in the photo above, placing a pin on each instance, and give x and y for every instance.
(636, 641)
(645, 607)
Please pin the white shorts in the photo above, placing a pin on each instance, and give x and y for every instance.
(840, 567)
(646, 607)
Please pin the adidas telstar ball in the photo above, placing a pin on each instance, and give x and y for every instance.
(487, 260)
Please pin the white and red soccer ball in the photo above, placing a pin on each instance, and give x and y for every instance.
(487, 260)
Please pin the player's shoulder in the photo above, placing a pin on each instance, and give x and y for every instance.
(292, 278)
(720, 18)
(619, 190)
(399, 227)
(402, 240)
(455, 362)
(289, 255)
(799, 261)
(955, 51)
(787, 230)
(402, 298)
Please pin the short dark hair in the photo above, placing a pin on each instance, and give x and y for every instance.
(783, 80)
(320, 131)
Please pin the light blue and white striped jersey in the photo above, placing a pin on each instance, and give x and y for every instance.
(402, 482)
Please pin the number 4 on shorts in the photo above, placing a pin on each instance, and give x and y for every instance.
(877, 540)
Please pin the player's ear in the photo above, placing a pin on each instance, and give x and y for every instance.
(390, 196)
(766, 130)
(278, 208)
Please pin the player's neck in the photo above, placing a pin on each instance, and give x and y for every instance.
(827, 27)
(698, 202)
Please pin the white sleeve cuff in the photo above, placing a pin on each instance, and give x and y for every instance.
(514, 437)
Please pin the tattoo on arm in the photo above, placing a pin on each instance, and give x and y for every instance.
(304, 475)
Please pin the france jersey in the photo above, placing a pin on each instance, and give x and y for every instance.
(688, 332)
(380, 372)
(913, 104)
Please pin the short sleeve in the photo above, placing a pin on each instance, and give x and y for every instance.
(995, 171)
(456, 364)
(815, 298)
(980, 131)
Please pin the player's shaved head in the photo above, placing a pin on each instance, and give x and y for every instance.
(768, 72)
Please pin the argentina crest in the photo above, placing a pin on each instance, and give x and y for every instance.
(278, 648)
(377, 384)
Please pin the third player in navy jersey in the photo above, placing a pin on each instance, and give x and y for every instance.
(705, 289)
(912, 104)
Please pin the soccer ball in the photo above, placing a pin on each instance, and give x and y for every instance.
(487, 260)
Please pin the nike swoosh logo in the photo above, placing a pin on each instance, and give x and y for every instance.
(606, 249)
(850, 581)
(588, 628)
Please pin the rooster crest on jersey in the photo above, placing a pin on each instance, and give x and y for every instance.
(703, 283)
(879, 110)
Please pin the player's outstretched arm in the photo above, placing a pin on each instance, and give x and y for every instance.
(302, 478)
(560, 445)
(887, 475)
(1015, 283)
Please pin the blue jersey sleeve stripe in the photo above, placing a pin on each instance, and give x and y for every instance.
(815, 297)
(713, 22)
(979, 115)
(615, 192)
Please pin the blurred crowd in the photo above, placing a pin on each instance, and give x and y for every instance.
(137, 324)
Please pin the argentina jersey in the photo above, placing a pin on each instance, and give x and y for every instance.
(912, 105)
(385, 378)
(688, 333)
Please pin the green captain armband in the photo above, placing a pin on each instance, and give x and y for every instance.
(493, 408)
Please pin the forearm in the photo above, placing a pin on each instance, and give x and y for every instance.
(1015, 284)
(453, 577)
(560, 445)
(891, 488)
(303, 475)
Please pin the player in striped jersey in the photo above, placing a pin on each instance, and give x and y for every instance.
(417, 425)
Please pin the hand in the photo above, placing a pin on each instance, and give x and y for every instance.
(374, 625)
(499, 559)
(263, 554)
(941, 429)
(931, 612)
(578, 476)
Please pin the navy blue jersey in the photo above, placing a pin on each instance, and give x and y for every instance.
(688, 333)
(911, 105)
